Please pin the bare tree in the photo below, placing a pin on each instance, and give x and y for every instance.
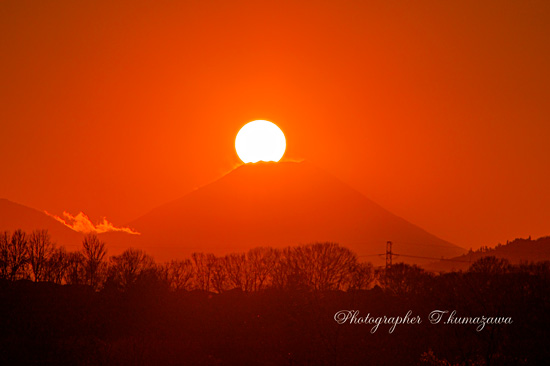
(94, 252)
(40, 249)
(490, 265)
(280, 272)
(180, 274)
(18, 255)
(237, 272)
(5, 239)
(404, 279)
(75, 273)
(204, 265)
(334, 265)
(287, 272)
(125, 269)
(219, 278)
(56, 266)
(260, 264)
(322, 266)
(362, 276)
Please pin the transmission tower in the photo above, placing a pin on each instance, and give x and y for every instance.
(389, 255)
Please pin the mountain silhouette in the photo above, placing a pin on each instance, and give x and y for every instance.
(279, 204)
(15, 216)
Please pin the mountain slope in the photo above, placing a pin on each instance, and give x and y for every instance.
(14, 216)
(278, 204)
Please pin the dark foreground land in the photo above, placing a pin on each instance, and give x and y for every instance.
(150, 324)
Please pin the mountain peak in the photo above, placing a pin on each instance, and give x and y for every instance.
(279, 204)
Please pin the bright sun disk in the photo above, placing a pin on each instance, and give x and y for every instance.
(260, 141)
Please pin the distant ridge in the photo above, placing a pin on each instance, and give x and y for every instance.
(516, 252)
(15, 216)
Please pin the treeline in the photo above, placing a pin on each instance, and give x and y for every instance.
(321, 266)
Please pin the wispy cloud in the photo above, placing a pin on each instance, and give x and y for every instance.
(83, 224)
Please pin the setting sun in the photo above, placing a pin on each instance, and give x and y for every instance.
(260, 141)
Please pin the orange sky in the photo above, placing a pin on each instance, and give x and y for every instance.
(437, 111)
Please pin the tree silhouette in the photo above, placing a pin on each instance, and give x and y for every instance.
(17, 255)
(323, 266)
(75, 273)
(40, 249)
(126, 268)
(180, 274)
(332, 265)
(203, 266)
(236, 268)
(285, 273)
(219, 278)
(5, 238)
(260, 264)
(362, 276)
(56, 266)
(490, 265)
(94, 251)
(403, 279)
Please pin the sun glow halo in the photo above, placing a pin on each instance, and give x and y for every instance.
(260, 141)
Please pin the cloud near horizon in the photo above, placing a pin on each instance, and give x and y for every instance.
(82, 224)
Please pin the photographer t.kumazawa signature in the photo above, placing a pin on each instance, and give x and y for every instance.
(435, 317)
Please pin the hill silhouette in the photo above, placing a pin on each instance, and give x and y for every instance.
(517, 251)
(16, 216)
(278, 204)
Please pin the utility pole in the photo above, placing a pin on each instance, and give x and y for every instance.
(389, 255)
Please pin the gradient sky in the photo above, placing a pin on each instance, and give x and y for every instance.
(438, 111)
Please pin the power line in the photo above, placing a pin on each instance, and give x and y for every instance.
(407, 243)
(442, 259)
(390, 254)
(371, 255)
(424, 244)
